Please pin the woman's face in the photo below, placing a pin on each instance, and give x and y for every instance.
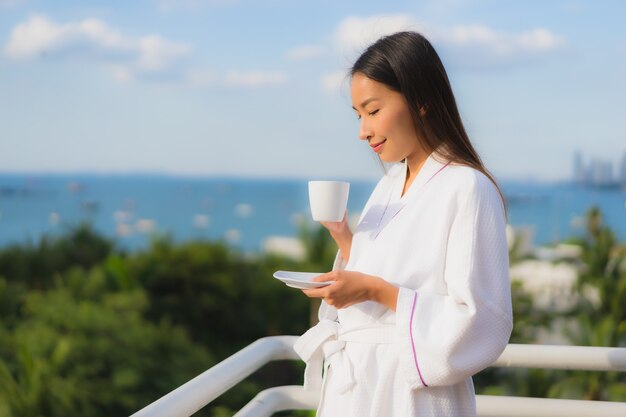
(386, 122)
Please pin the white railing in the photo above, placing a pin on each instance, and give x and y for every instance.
(200, 391)
(195, 394)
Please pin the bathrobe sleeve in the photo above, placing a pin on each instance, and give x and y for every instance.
(446, 338)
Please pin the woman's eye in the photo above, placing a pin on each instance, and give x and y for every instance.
(358, 116)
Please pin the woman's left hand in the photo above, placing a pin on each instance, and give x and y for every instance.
(351, 287)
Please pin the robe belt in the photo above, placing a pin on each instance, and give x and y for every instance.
(326, 341)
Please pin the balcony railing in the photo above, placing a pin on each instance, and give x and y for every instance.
(200, 391)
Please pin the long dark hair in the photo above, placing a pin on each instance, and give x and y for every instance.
(406, 62)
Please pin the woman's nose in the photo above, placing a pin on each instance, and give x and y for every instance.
(365, 131)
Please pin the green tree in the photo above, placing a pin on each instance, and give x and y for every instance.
(224, 300)
(34, 264)
(80, 349)
(320, 251)
(600, 315)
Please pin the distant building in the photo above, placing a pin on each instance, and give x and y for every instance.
(598, 173)
(601, 172)
(580, 175)
(622, 175)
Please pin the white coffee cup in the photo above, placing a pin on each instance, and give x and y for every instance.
(328, 200)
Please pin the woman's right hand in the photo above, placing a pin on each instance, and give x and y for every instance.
(341, 233)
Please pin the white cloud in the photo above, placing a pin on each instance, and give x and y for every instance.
(10, 3)
(473, 46)
(305, 52)
(202, 78)
(121, 74)
(156, 53)
(254, 78)
(355, 33)
(248, 79)
(540, 40)
(334, 82)
(93, 39)
(171, 5)
(127, 57)
(480, 46)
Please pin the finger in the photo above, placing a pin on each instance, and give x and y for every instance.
(314, 293)
(324, 277)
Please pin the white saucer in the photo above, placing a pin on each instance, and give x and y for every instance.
(300, 280)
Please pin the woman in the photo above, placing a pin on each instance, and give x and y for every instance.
(421, 298)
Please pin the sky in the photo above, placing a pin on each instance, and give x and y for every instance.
(258, 88)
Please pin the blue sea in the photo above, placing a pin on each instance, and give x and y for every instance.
(132, 209)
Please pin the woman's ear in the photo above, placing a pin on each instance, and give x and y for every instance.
(423, 110)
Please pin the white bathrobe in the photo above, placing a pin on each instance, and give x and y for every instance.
(443, 244)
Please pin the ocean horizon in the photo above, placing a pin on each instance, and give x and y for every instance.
(131, 208)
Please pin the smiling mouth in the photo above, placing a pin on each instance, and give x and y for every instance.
(376, 146)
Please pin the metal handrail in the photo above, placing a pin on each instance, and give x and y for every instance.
(197, 393)
(201, 390)
(580, 358)
(502, 406)
(283, 398)
(288, 397)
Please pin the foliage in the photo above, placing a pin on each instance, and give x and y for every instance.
(320, 251)
(34, 265)
(114, 320)
(319, 247)
(223, 299)
(81, 349)
(600, 322)
(527, 320)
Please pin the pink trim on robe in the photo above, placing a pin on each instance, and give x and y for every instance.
(413, 343)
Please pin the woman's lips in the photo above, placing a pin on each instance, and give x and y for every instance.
(378, 146)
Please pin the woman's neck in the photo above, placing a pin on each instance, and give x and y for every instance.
(414, 165)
